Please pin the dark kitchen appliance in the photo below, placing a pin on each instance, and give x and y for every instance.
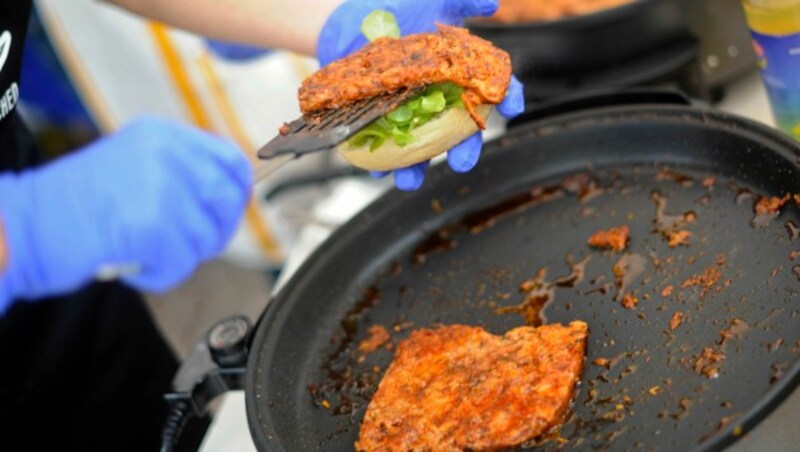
(402, 260)
(726, 49)
(697, 46)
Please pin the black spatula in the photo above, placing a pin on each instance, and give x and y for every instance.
(325, 129)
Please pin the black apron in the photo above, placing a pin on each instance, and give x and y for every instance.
(83, 371)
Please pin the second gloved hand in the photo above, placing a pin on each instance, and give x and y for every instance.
(156, 197)
(342, 36)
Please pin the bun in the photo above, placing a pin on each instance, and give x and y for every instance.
(430, 139)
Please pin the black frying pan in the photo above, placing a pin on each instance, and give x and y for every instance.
(644, 42)
(306, 391)
(587, 41)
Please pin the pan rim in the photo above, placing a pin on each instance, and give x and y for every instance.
(269, 325)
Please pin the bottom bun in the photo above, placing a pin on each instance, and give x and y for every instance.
(430, 139)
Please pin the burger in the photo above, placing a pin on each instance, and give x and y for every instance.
(457, 79)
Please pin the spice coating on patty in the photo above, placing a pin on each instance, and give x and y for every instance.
(458, 387)
(389, 64)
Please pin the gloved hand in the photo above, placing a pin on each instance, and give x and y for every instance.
(156, 197)
(341, 36)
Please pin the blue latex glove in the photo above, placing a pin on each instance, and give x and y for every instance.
(341, 36)
(235, 52)
(157, 197)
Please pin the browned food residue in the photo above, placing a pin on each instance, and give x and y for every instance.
(602, 362)
(582, 185)
(436, 205)
(667, 291)
(707, 362)
(679, 178)
(629, 301)
(343, 378)
(576, 275)
(538, 292)
(774, 345)
(615, 239)
(677, 238)
(609, 363)
(709, 181)
(486, 218)
(720, 426)
(676, 320)
(793, 230)
(438, 241)
(778, 370)
(627, 270)
(735, 330)
(683, 408)
(670, 225)
(399, 327)
(766, 209)
(769, 205)
(708, 279)
(377, 335)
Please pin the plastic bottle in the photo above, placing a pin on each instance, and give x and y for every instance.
(775, 27)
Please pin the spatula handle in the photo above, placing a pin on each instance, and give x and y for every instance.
(265, 168)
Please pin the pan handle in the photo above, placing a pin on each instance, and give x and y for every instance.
(601, 98)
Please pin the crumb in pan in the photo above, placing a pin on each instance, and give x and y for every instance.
(615, 239)
(377, 335)
(677, 238)
(770, 205)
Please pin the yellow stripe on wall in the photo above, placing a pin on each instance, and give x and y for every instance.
(266, 242)
(234, 125)
(179, 75)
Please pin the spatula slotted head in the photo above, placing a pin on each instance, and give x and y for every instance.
(325, 129)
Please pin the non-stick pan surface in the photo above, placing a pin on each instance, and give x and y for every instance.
(307, 389)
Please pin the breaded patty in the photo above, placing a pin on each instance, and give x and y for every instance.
(458, 387)
(389, 64)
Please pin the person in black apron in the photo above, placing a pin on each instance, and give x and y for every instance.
(84, 366)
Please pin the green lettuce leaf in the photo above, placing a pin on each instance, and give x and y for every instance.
(379, 24)
(398, 124)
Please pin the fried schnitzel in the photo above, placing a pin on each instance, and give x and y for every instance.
(459, 387)
(389, 64)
